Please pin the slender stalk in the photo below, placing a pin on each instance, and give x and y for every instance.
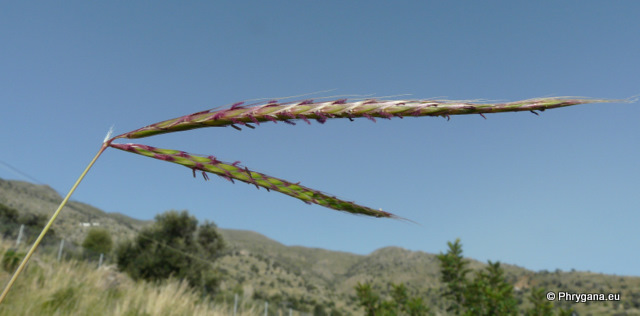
(48, 226)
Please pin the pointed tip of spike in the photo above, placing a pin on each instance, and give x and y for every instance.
(396, 217)
(632, 99)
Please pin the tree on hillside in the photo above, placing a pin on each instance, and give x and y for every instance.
(367, 298)
(209, 239)
(541, 305)
(174, 246)
(400, 303)
(98, 241)
(34, 223)
(487, 294)
(11, 220)
(8, 221)
(453, 268)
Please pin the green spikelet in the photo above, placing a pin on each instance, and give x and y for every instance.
(235, 171)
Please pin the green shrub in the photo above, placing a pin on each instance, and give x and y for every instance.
(173, 247)
(11, 260)
(98, 241)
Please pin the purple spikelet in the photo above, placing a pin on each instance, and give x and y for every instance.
(218, 115)
(201, 112)
(252, 180)
(253, 119)
(288, 114)
(369, 117)
(321, 117)
(145, 147)
(350, 116)
(305, 119)
(213, 160)
(236, 121)
(127, 147)
(340, 101)
(385, 115)
(163, 157)
(414, 113)
(227, 178)
(237, 105)
(271, 118)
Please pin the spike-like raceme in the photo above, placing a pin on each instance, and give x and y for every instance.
(231, 171)
(288, 112)
(306, 110)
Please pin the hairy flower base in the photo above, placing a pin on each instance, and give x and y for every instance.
(235, 171)
(306, 110)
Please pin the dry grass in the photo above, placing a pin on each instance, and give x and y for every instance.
(77, 288)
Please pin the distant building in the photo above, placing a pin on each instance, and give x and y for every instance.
(90, 224)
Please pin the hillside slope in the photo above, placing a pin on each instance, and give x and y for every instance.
(300, 277)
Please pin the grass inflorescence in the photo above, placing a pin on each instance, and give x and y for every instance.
(252, 115)
(306, 110)
(231, 171)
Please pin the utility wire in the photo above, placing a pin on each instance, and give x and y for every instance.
(16, 170)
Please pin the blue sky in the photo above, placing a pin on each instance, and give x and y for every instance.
(555, 191)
